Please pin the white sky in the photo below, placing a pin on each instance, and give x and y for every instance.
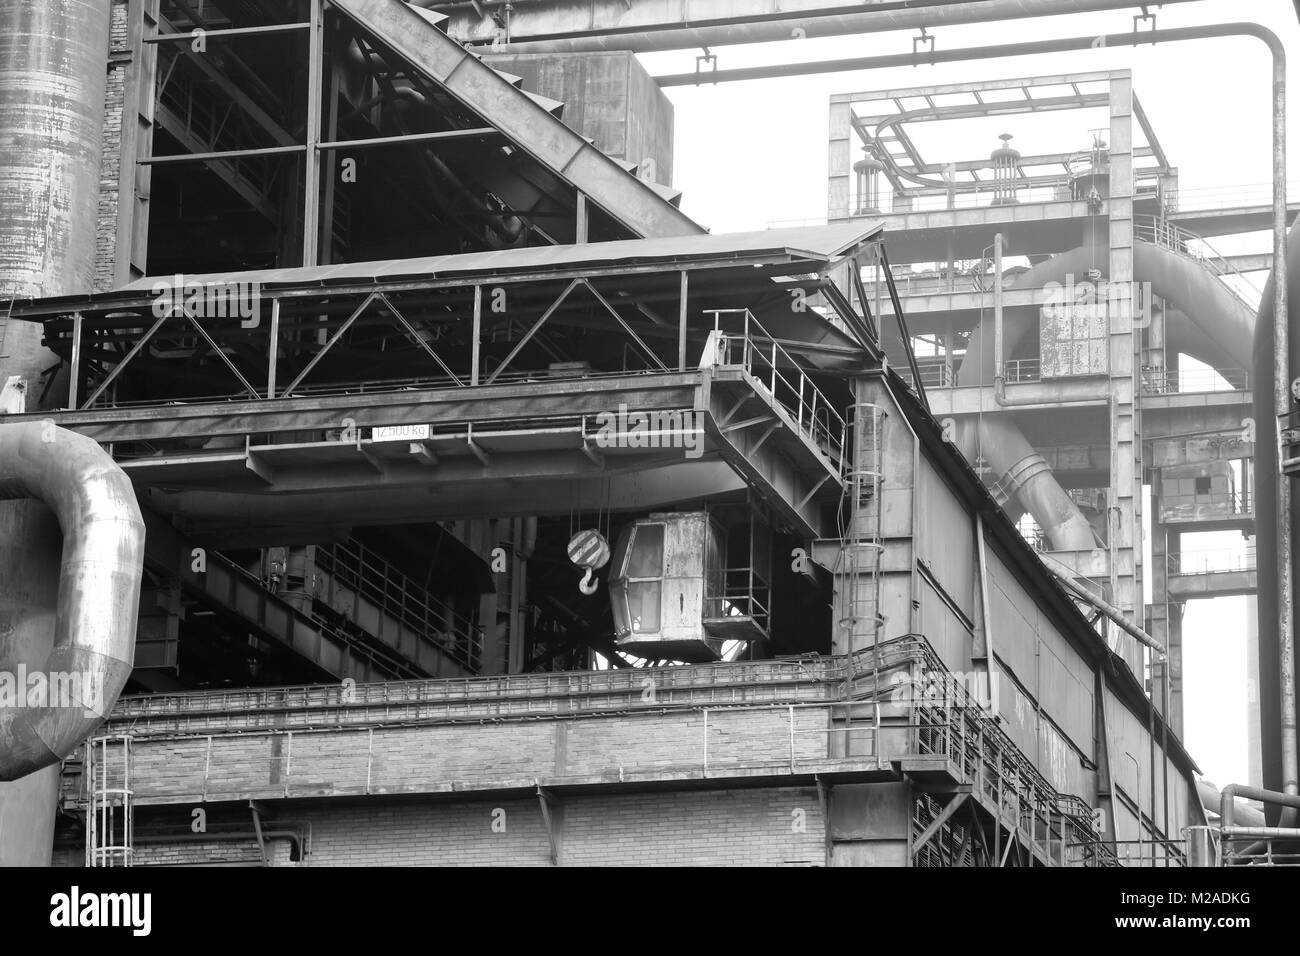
(753, 153)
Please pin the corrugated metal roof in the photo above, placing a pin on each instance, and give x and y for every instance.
(819, 243)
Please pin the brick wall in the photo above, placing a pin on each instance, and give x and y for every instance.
(762, 827)
(106, 229)
(433, 758)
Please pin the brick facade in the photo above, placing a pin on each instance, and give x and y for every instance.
(110, 169)
(763, 827)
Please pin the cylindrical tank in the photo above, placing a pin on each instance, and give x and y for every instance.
(1266, 483)
(53, 56)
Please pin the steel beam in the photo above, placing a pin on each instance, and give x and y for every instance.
(496, 403)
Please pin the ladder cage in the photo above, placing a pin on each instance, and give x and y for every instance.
(110, 822)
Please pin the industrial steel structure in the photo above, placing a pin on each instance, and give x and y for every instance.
(456, 498)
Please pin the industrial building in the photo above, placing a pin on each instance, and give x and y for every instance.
(392, 472)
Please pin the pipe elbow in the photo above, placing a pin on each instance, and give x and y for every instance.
(58, 698)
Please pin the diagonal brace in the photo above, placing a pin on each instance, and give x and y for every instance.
(329, 344)
(950, 808)
(419, 339)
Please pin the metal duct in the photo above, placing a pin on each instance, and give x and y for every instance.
(1027, 476)
(88, 660)
(546, 26)
(1199, 295)
(1204, 303)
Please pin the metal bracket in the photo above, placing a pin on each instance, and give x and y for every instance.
(1144, 16)
(926, 40)
(709, 58)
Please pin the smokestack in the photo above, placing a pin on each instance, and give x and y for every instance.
(53, 56)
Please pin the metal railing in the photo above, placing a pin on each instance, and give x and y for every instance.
(1211, 561)
(1162, 232)
(369, 387)
(1022, 370)
(955, 725)
(355, 567)
(1214, 503)
(1267, 851)
(933, 374)
(912, 283)
(777, 373)
(1169, 381)
(736, 592)
(1151, 852)
(1225, 197)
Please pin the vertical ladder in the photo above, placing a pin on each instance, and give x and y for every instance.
(860, 619)
(110, 824)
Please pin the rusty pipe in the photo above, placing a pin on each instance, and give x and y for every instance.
(89, 658)
(1065, 576)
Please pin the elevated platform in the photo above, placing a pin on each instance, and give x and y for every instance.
(482, 441)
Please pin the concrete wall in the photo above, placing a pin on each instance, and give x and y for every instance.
(608, 97)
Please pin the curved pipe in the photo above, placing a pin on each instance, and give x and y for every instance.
(1207, 305)
(98, 597)
(1212, 798)
(1202, 299)
(1027, 476)
(1228, 804)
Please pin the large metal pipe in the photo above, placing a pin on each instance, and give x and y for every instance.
(1028, 477)
(1209, 306)
(989, 52)
(85, 659)
(52, 81)
(579, 26)
(1275, 532)
(67, 624)
(1212, 797)
(52, 78)
(1228, 800)
(1066, 577)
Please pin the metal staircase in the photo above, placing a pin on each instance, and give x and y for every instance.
(370, 592)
